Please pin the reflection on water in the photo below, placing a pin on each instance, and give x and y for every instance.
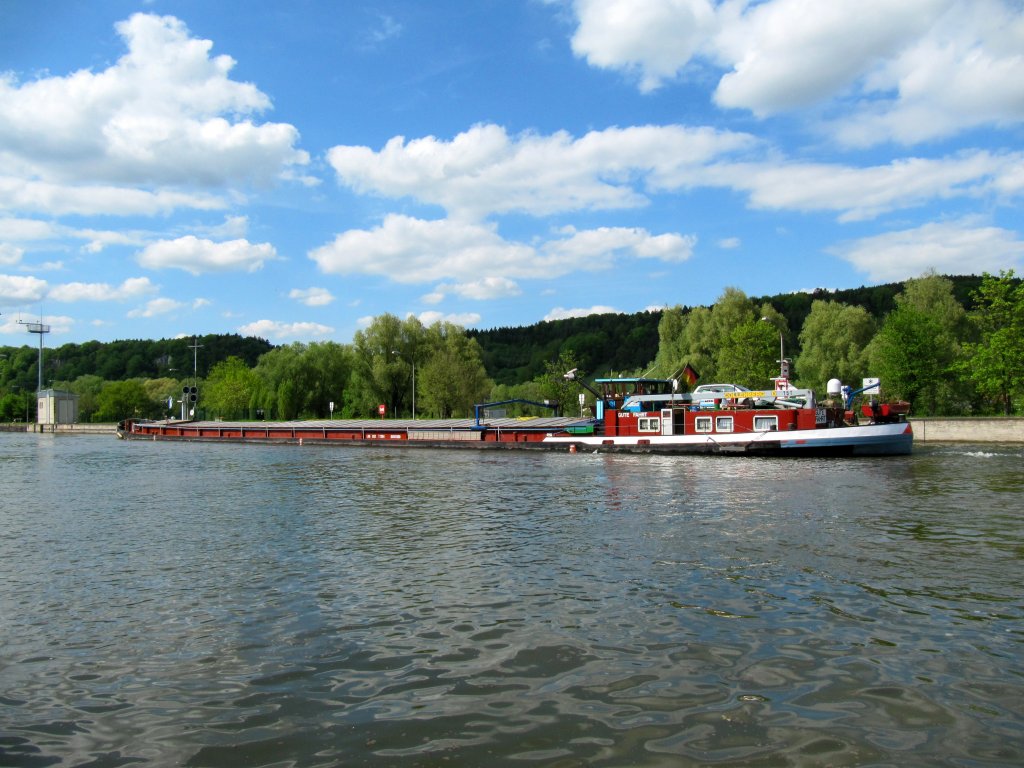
(213, 605)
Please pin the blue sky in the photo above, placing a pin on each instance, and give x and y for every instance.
(292, 170)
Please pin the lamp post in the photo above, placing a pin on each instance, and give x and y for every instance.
(783, 362)
(399, 356)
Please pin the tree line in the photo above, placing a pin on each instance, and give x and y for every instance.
(948, 345)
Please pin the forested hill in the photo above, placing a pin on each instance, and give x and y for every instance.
(622, 344)
(135, 358)
(602, 344)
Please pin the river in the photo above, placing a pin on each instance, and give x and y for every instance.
(229, 605)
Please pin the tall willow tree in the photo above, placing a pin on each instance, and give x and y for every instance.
(833, 344)
(453, 378)
(733, 339)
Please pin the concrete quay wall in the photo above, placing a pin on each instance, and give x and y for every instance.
(968, 430)
(61, 429)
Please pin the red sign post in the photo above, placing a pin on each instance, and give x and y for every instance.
(381, 409)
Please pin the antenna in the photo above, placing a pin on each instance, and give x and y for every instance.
(41, 329)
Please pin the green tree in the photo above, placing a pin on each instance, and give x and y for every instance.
(382, 360)
(554, 387)
(228, 389)
(996, 362)
(453, 378)
(119, 400)
(915, 353)
(749, 355)
(906, 359)
(833, 344)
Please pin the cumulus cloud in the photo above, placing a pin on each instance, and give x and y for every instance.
(156, 307)
(946, 247)
(198, 256)
(484, 171)
(17, 290)
(166, 114)
(311, 297)
(10, 255)
(652, 41)
(909, 71)
(486, 288)
(274, 329)
(130, 288)
(561, 313)
(409, 250)
(464, 319)
(857, 194)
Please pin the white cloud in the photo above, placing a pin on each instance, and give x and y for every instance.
(561, 313)
(10, 255)
(409, 250)
(130, 288)
(483, 171)
(729, 243)
(910, 71)
(15, 290)
(652, 41)
(157, 117)
(25, 230)
(311, 297)
(464, 319)
(484, 289)
(94, 199)
(198, 256)
(785, 55)
(963, 73)
(156, 307)
(863, 193)
(948, 248)
(273, 329)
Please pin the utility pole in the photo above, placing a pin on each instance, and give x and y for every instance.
(41, 329)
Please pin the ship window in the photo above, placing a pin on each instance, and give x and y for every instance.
(702, 424)
(649, 425)
(723, 423)
(766, 423)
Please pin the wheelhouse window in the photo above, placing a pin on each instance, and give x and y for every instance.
(766, 423)
(723, 423)
(649, 425)
(702, 424)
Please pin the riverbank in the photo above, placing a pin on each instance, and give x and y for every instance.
(61, 429)
(926, 430)
(969, 430)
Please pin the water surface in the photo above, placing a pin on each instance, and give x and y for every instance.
(226, 605)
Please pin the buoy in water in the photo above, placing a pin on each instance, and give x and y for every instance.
(572, 448)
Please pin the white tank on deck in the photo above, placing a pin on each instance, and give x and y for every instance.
(834, 387)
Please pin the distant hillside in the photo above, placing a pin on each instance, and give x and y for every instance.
(603, 344)
(133, 358)
(622, 343)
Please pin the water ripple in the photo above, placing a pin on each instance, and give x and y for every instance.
(210, 605)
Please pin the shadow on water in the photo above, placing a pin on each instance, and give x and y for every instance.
(212, 605)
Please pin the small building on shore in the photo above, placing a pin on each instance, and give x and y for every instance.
(55, 406)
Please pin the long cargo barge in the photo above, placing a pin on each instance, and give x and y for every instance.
(636, 415)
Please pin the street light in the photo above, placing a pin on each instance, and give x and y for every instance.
(783, 362)
(396, 354)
